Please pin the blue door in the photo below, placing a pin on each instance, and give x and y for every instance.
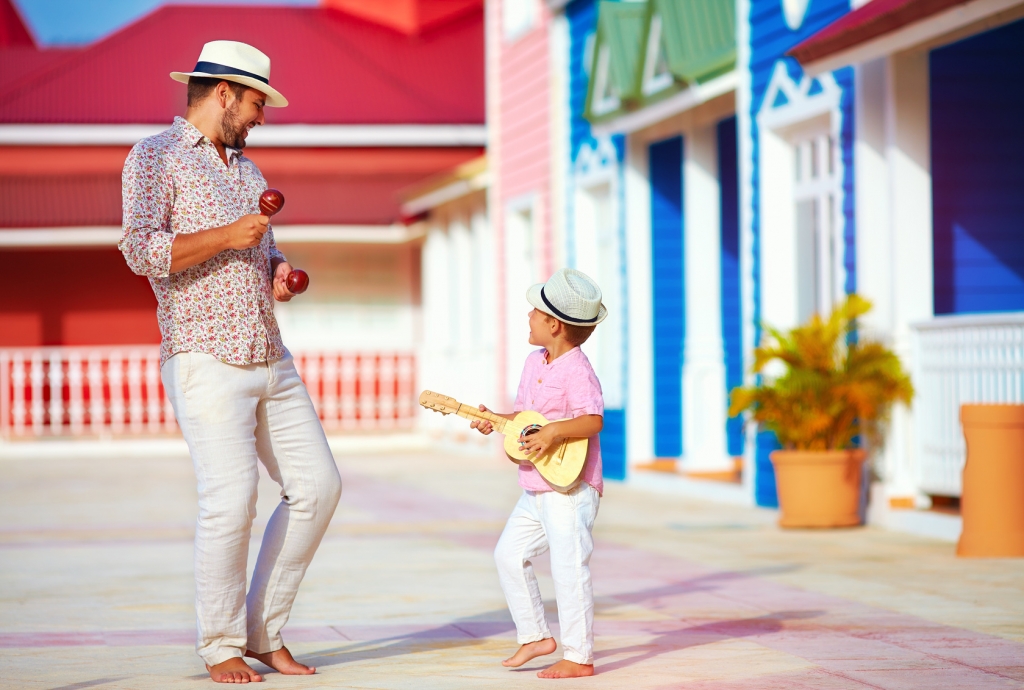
(666, 178)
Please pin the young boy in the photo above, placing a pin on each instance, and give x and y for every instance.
(559, 383)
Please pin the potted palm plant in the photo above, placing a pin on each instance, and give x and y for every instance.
(823, 392)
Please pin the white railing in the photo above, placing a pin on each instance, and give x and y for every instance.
(113, 391)
(960, 359)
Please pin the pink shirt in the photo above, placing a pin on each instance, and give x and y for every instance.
(564, 389)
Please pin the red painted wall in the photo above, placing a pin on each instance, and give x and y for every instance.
(82, 296)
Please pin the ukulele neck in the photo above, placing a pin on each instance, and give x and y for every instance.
(501, 425)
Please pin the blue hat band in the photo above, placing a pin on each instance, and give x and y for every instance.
(560, 315)
(215, 68)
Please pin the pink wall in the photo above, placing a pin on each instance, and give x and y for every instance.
(522, 164)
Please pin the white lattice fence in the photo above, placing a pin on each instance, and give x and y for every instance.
(113, 391)
(960, 359)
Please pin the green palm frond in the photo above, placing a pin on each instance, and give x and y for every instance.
(834, 388)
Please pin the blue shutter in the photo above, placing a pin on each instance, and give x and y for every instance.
(977, 138)
(732, 325)
(613, 445)
(666, 178)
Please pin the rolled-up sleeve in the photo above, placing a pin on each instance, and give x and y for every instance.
(272, 251)
(147, 197)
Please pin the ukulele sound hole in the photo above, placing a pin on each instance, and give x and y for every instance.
(529, 431)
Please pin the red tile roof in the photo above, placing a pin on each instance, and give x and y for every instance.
(866, 23)
(12, 29)
(334, 68)
(18, 63)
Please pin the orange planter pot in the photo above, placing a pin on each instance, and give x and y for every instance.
(992, 502)
(818, 488)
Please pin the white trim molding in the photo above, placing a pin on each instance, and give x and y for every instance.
(285, 136)
(450, 192)
(673, 105)
(109, 235)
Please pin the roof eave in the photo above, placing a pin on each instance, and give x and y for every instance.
(848, 42)
(684, 100)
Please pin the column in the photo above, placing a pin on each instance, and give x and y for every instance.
(908, 152)
(704, 399)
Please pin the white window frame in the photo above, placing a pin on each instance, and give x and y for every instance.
(785, 282)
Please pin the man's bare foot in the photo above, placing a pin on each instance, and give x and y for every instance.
(567, 669)
(282, 662)
(233, 670)
(530, 650)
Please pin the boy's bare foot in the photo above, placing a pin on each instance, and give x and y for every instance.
(282, 662)
(530, 650)
(233, 670)
(567, 669)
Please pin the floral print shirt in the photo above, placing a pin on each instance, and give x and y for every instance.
(175, 182)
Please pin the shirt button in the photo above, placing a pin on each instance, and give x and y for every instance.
(539, 381)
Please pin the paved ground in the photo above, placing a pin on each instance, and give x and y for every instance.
(96, 589)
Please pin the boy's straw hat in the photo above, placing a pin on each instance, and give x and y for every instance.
(570, 296)
(237, 62)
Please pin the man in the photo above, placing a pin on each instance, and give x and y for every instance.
(191, 224)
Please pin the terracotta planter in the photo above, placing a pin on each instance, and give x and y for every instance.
(818, 488)
(992, 502)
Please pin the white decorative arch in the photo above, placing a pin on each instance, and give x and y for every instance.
(787, 102)
(794, 11)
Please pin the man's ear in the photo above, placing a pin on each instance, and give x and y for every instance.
(224, 93)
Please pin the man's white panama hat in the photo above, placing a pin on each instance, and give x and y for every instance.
(570, 296)
(237, 62)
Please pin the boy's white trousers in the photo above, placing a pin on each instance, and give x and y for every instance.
(233, 417)
(562, 523)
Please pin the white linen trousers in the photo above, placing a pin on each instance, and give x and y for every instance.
(233, 417)
(563, 523)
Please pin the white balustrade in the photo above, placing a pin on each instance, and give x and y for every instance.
(960, 359)
(112, 391)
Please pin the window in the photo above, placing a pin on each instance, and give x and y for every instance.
(819, 246)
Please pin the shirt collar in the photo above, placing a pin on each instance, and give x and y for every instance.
(566, 357)
(191, 135)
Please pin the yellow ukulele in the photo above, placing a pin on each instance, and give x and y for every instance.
(560, 466)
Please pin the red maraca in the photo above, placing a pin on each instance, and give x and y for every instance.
(297, 281)
(271, 201)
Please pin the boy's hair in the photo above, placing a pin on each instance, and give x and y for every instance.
(574, 335)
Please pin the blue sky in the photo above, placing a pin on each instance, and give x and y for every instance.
(77, 22)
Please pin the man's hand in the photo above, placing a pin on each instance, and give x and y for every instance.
(281, 271)
(246, 232)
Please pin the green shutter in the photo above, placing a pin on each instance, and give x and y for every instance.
(621, 26)
(699, 37)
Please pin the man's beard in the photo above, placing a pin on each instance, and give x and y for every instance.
(233, 129)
